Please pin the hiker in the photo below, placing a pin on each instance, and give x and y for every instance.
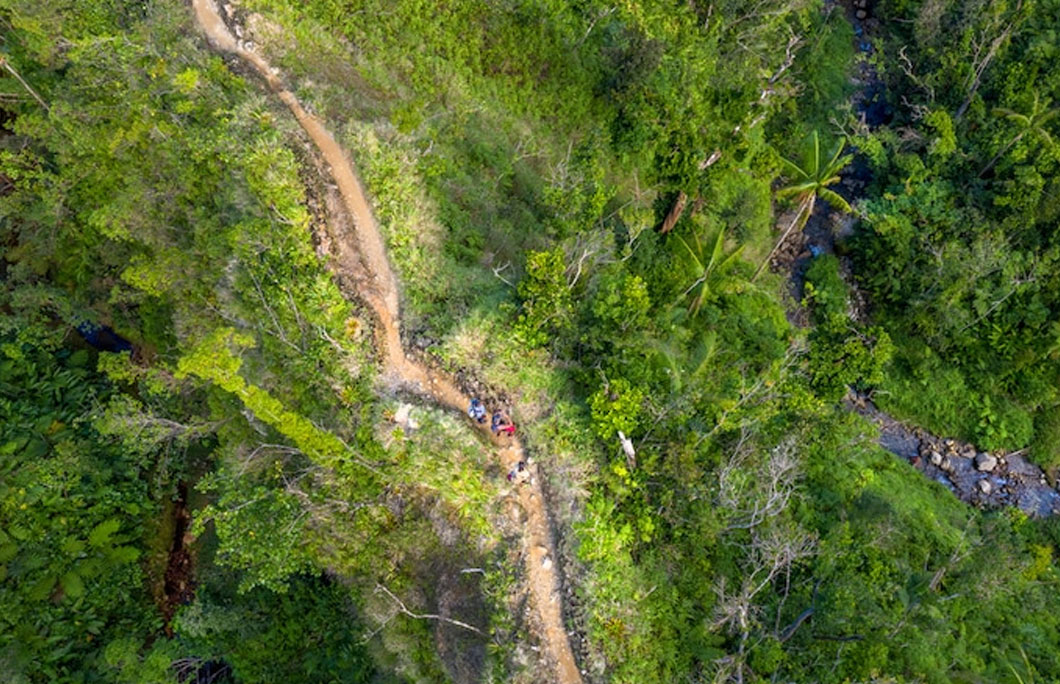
(501, 423)
(477, 412)
(520, 474)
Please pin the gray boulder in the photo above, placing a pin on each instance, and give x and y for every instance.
(985, 463)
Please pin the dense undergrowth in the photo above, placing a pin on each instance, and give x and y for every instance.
(521, 158)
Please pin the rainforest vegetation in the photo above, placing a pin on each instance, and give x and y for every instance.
(596, 213)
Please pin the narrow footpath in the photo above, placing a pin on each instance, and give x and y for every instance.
(360, 258)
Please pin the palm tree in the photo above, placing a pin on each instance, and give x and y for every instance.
(811, 181)
(1034, 123)
(710, 272)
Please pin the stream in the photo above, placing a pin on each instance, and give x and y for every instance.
(982, 479)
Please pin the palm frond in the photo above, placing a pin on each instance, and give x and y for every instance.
(836, 200)
(705, 351)
(695, 258)
(1012, 115)
(835, 157)
(794, 169)
(815, 162)
(837, 164)
(729, 260)
(718, 247)
(800, 190)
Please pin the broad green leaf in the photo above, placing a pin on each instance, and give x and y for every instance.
(41, 588)
(73, 586)
(73, 546)
(7, 552)
(100, 535)
(124, 554)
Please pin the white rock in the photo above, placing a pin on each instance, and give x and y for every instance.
(985, 463)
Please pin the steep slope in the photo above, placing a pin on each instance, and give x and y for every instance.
(361, 258)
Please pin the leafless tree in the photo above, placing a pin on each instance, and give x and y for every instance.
(752, 495)
(774, 548)
(755, 490)
(402, 609)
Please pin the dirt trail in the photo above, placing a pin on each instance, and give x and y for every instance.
(365, 262)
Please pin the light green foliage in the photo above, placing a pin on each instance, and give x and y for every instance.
(213, 360)
(945, 142)
(622, 304)
(546, 307)
(849, 358)
(128, 665)
(1046, 444)
(519, 158)
(960, 242)
(710, 269)
(616, 406)
(842, 354)
(826, 292)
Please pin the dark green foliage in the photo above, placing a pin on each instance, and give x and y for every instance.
(959, 246)
(72, 509)
(842, 354)
(308, 632)
(519, 156)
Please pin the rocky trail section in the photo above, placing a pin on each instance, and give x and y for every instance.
(362, 269)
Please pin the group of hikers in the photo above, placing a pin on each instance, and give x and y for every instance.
(500, 423)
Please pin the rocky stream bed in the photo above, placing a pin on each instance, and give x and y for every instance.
(984, 479)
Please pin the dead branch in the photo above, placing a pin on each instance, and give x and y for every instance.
(29, 89)
(907, 68)
(980, 64)
(497, 270)
(769, 489)
(674, 215)
(425, 616)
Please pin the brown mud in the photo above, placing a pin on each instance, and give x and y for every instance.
(178, 587)
(363, 272)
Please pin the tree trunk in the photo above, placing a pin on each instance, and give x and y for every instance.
(807, 208)
(675, 213)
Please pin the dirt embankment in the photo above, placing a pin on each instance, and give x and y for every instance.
(178, 585)
(362, 269)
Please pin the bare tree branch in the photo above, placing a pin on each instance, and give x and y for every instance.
(426, 616)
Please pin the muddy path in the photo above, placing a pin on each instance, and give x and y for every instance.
(362, 269)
